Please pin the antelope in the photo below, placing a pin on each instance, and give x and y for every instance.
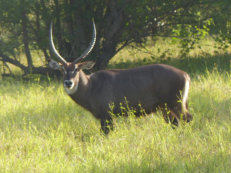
(154, 87)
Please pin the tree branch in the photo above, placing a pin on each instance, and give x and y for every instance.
(6, 58)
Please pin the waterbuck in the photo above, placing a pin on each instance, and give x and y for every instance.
(156, 86)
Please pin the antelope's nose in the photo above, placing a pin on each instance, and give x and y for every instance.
(68, 83)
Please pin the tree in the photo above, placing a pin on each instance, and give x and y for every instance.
(16, 21)
(25, 26)
(122, 22)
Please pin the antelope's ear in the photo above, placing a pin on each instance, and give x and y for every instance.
(54, 64)
(86, 65)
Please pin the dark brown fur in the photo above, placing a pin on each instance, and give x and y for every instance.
(151, 86)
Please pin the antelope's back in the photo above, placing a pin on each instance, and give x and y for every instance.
(147, 85)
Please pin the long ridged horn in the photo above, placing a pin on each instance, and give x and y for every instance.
(90, 47)
(52, 46)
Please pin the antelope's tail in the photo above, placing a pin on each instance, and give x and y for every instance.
(185, 93)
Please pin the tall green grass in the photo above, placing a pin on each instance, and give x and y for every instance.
(43, 130)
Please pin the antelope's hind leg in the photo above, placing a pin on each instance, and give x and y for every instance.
(169, 116)
(181, 111)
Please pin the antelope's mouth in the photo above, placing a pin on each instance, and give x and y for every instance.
(70, 87)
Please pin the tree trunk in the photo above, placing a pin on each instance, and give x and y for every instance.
(104, 57)
(25, 37)
(113, 26)
(60, 46)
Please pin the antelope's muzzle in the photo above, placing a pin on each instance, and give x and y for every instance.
(68, 84)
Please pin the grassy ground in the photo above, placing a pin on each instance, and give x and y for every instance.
(42, 130)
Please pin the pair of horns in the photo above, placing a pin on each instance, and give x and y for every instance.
(84, 54)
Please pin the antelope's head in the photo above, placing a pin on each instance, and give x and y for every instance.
(71, 70)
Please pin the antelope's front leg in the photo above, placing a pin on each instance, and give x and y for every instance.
(106, 125)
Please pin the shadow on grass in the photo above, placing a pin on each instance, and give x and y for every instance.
(48, 117)
(192, 65)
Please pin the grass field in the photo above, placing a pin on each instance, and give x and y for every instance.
(42, 130)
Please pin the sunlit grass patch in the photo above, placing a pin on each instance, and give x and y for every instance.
(43, 130)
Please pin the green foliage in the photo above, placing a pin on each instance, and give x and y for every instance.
(25, 25)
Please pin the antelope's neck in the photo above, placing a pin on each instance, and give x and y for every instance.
(82, 94)
(83, 80)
